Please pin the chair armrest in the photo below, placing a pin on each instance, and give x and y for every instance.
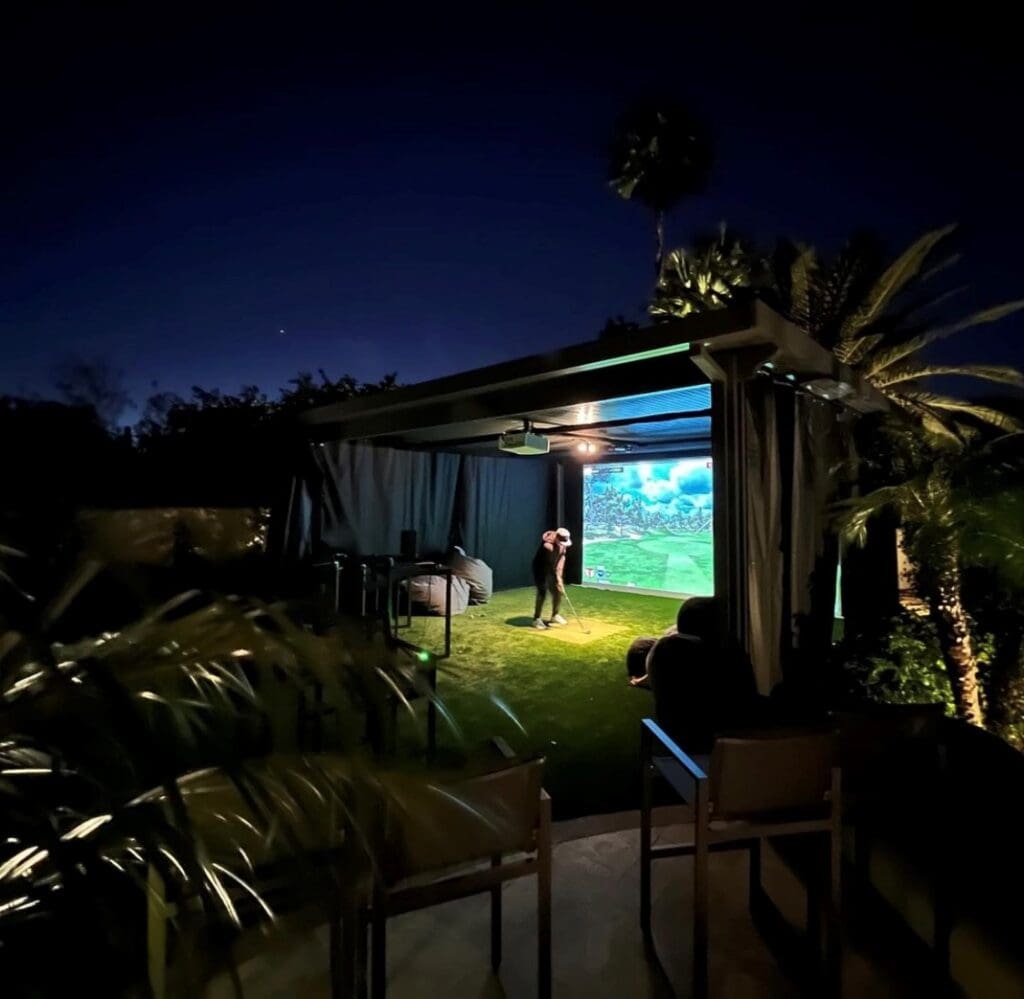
(503, 748)
(651, 732)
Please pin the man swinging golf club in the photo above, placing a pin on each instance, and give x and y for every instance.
(548, 566)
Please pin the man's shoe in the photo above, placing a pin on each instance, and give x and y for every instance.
(539, 624)
(558, 619)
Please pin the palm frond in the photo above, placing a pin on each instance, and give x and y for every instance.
(938, 424)
(1002, 374)
(895, 278)
(947, 404)
(802, 276)
(886, 358)
(853, 515)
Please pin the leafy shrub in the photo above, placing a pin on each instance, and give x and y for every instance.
(904, 664)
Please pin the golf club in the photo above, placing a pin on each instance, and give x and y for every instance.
(586, 631)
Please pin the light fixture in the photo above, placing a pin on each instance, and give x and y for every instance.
(829, 389)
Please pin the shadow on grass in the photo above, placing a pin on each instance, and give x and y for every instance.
(520, 622)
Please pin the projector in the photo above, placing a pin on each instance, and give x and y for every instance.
(523, 442)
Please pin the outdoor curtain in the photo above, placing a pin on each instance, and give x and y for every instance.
(502, 512)
(792, 446)
(369, 495)
(358, 499)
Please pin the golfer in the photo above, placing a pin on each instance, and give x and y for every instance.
(548, 566)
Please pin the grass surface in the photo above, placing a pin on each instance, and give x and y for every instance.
(572, 700)
(677, 563)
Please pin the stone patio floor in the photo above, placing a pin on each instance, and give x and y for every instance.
(597, 946)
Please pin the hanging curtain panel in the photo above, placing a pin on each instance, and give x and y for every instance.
(503, 510)
(370, 495)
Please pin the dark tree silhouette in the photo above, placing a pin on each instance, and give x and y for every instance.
(659, 155)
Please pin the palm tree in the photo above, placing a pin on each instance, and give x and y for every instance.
(878, 319)
(719, 269)
(875, 318)
(929, 511)
(659, 155)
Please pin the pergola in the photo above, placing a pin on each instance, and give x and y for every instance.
(742, 383)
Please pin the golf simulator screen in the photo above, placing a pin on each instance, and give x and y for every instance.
(647, 524)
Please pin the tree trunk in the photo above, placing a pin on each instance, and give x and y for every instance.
(955, 639)
(659, 242)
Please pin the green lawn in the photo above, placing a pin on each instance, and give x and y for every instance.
(572, 700)
(678, 563)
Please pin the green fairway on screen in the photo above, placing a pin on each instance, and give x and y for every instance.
(647, 524)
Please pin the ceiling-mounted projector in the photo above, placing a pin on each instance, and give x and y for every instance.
(523, 442)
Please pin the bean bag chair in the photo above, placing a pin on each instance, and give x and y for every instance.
(430, 593)
(701, 688)
(477, 573)
(636, 655)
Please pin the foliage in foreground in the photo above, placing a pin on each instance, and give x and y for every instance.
(153, 757)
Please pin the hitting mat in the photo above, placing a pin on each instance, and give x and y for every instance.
(573, 634)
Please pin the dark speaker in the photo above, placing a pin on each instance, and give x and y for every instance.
(408, 549)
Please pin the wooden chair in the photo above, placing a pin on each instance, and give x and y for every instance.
(760, 785)
(303, 867)
(467, 837)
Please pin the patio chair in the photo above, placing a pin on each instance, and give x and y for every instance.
(303, 866)
(450, 841)
(758, 785)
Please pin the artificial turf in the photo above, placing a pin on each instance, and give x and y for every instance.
(572, 700)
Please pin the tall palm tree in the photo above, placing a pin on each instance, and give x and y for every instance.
(876, 318)
(929, 511)
(659, 155)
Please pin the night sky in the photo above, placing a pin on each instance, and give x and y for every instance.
(425, 195)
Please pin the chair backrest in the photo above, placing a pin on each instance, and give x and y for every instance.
(433, 825)
(759, 773)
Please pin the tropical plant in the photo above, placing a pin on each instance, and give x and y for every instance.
(659, 155)
(716, 271)
(901, 664)
(141, 769)
(924, 499)
(880, 319)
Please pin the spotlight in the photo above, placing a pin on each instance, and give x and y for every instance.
(583, 446)
(829, 389)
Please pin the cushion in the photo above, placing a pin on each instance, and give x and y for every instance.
(477, 573)
(430, 592)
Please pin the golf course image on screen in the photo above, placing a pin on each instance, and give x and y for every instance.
(647, 524)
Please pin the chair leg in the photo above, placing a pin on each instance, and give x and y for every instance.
(814, 922)
(336, 947)
(496, 920)
(544, 901)
(645, 852)
(362, 954)
(833, 929)
(378, 949)
(700, 893)
(755, 886)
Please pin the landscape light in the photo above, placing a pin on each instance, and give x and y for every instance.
(423, 656)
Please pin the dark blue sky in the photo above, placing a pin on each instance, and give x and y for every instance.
(422, 196)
